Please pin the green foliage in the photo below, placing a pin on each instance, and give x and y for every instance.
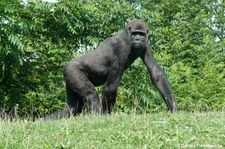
(136, 92)
(38, 38)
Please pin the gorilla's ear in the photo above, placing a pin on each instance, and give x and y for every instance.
(129, 28)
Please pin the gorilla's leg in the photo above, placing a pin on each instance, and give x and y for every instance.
(93, 102)
(75, 106)
(75, 102)
(63, 113)
(109, 98)
(79, 84)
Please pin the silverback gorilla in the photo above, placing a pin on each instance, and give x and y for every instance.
(104, 66)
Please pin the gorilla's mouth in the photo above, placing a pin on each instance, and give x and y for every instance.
(137, 45)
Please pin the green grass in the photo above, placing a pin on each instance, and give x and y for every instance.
(157, 130)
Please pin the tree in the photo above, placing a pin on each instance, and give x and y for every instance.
(38, 38)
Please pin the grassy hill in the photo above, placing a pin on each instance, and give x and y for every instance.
(156, 130)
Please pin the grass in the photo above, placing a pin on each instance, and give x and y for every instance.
(156, 130)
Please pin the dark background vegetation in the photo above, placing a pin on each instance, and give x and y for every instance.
(38, 38)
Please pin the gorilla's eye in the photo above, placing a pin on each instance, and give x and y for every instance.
(138, 33)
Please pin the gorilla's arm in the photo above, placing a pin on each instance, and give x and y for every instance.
(110, 90)
(159, 80)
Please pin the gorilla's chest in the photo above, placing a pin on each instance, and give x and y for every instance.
(132, 56)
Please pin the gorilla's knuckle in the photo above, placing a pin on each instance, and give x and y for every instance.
(111, 88)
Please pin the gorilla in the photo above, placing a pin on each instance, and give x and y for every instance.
(105, 66)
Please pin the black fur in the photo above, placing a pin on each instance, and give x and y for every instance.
(104, 66)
